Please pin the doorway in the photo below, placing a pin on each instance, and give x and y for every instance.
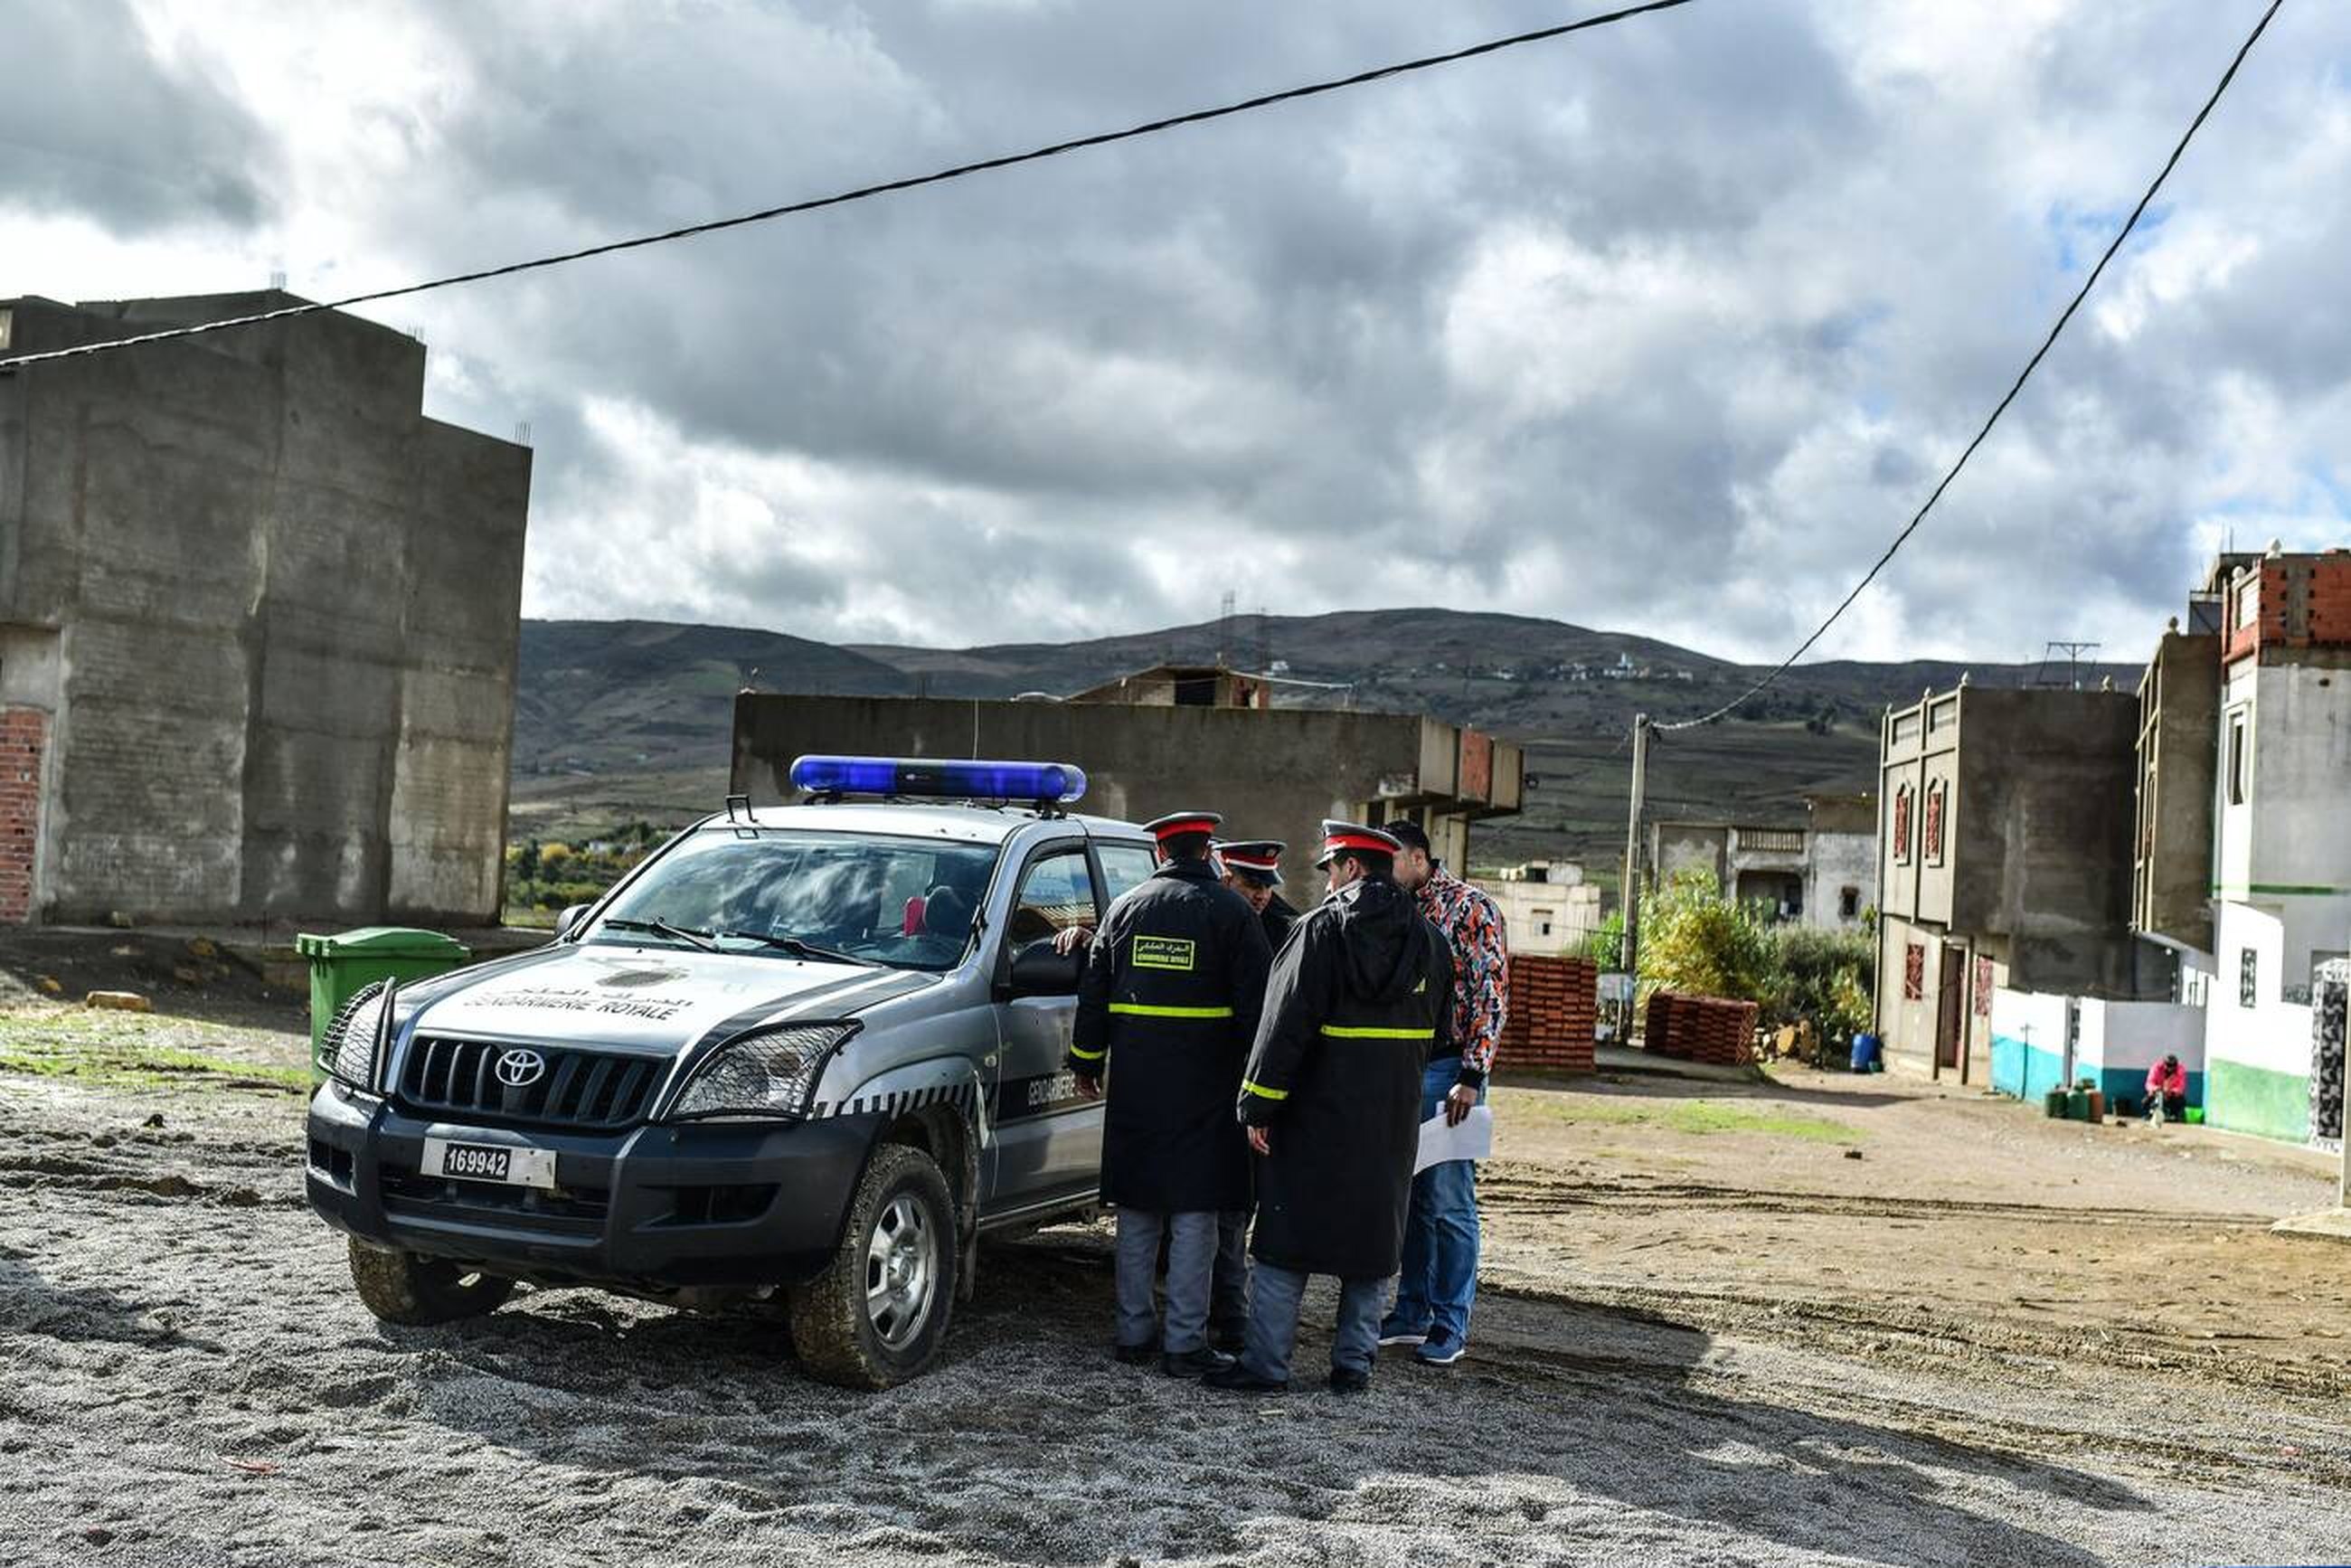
(1951, 1014)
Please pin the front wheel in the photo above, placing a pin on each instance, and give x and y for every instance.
(403, 1287)
(875, 1316)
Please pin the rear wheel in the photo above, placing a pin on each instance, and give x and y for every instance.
(403, 1287)
(875, 1316)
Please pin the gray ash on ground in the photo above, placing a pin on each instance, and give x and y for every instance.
(190, 1380)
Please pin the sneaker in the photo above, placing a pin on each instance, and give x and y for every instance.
(1235, 1378)
(1395, 1330)
(1194, 1363)
(1442, 1348)
(1347, 1380)
(1134, 1354)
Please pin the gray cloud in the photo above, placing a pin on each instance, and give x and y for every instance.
(96, 122)
(1665, 328)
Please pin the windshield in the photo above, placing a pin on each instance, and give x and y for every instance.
(908, 903)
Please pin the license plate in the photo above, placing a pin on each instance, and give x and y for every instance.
(502, 1163)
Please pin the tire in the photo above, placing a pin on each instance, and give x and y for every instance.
(416, 1292)
(875, 1316)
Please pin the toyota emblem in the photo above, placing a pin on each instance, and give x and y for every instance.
(518, 1069)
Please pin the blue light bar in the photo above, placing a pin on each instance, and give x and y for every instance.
(1060, 782)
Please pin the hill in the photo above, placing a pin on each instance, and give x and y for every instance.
(631, 718)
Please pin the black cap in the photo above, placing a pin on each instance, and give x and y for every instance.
(1407, 832)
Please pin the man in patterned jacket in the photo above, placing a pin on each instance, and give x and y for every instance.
(1440, 1251)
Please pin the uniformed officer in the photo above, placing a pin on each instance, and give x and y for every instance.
(1253, 870)
(1332, 1100)
(1172, 984)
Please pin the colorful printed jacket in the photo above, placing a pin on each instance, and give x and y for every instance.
(1472, 929)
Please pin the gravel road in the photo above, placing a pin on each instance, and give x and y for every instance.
(186, 1378)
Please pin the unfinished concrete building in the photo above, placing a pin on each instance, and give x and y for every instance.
(1821, 873)
(1274, 773)
(258, 620)
(2005, 859)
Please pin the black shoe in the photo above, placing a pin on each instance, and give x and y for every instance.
(1235, 1378)
(1230, 1338)
(1194, 1363)
(1134, 1354)
(1347, 1380)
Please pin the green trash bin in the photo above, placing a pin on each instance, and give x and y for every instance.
(342, 964)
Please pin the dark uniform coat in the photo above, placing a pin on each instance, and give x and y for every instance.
(1169, 1002)
(1278, 916)
(1358, 996)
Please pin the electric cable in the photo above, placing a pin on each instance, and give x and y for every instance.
(864, 193)
(2023, 376)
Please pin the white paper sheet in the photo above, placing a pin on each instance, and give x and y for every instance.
(1472, 1140)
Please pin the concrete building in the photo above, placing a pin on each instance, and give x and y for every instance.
(258, 620)
(1548, 909)
(2281, 855)
(1183, 686)
(1274, 773)
(2171, 857)
(1822, 873)
(2005, 861)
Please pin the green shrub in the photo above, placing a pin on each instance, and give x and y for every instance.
(1696, 939)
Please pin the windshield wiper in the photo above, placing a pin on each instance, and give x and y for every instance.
(660, 927)
(799, 949)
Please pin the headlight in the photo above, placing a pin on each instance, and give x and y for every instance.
(769, 1074)
(348, 1049)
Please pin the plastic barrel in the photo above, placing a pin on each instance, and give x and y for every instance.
(1865, 1049)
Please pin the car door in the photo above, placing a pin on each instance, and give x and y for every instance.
(1047, 1140)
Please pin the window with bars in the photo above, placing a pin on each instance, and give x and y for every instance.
(1902, 825)
(1914, 972)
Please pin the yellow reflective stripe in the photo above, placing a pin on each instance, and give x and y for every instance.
(1366, 1032)
(1262, 1091)
(1145, 1009)
(1088, 1055)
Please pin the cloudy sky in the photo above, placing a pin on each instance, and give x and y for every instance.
(1664, 328)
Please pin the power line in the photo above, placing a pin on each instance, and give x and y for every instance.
(2023, 376)
(863, 193)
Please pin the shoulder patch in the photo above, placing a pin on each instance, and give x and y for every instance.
(1160, 952)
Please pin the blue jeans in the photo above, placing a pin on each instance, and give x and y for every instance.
(1440, 1238)
(1274, 1298)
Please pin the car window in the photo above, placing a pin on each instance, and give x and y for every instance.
(1057, 892)
(906, 902)
(1123, 866)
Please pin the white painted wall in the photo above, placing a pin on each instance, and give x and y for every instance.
(2137, 1035)
(2274, 1033)
(1834, 861)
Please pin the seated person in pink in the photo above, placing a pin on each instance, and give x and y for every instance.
(2167, 1090)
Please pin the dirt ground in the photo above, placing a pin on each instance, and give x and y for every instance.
(1706, 1335)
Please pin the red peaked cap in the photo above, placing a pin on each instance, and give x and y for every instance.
(1182, 824)
(1341, 838)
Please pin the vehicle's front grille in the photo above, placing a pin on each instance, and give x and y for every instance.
(576, 1211)
(573, 1089)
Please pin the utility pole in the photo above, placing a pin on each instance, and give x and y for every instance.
(1632, 885)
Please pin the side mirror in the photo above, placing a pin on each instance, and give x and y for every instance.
(1039, 971)
(569, 918)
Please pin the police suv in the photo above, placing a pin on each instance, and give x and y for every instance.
(812, 1051)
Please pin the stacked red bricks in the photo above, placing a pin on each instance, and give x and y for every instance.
(23, 733)
(1553, 1014)
(1701, 1029)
